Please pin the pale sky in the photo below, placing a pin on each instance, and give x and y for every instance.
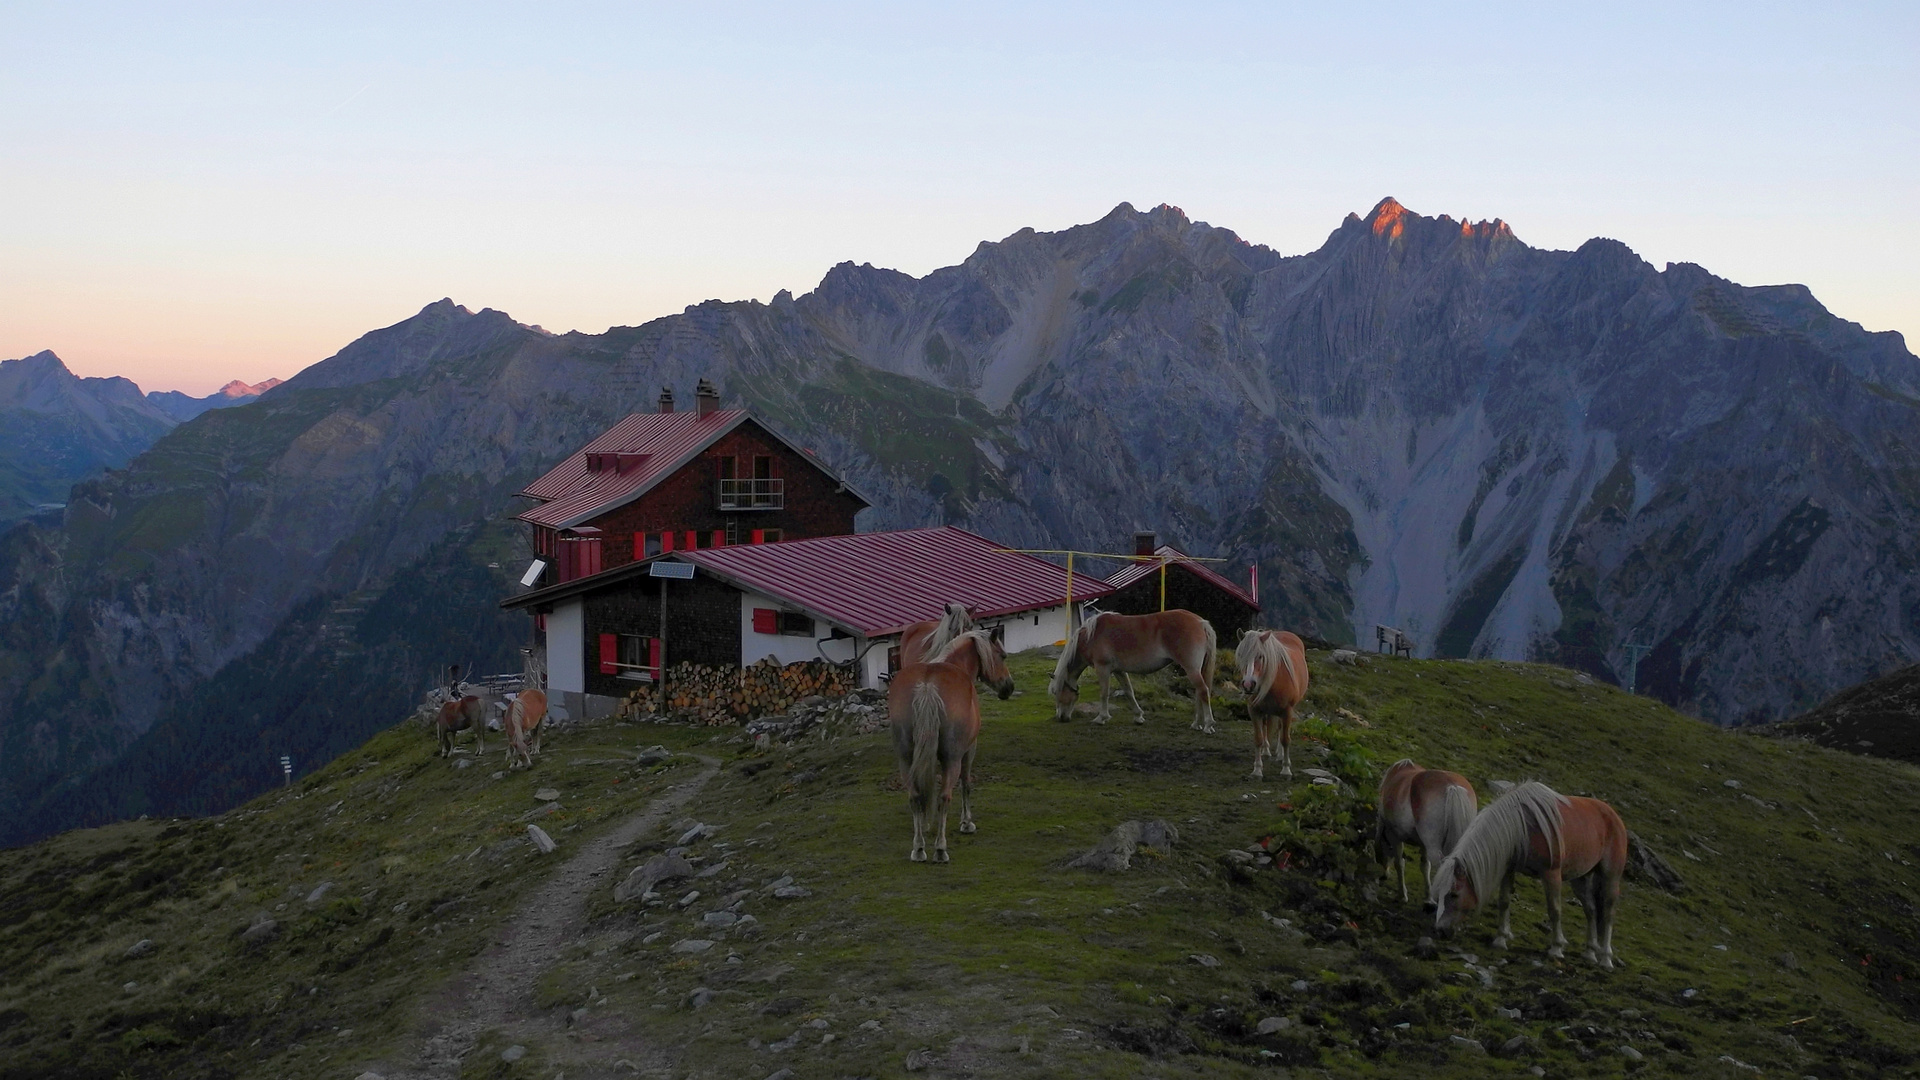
(200, 192)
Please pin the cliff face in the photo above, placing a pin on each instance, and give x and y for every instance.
(1508, 452)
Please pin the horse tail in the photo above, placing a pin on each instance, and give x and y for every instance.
(1456, 813)
(929, 713)
(1210, 662)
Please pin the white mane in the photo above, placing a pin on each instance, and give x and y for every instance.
(952, 624)
(979, 638)
(1266, 645)
(1499, 837)
(1069, 653)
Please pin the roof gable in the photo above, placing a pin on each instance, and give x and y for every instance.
(1168, 555)
(634, 456)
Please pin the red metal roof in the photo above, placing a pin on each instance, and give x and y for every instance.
(879, 583)
(1168, 554)
(647, 448)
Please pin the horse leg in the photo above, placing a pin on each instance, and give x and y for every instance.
(1259, 748)
(918, 852)
(1139, 714)
(1202, 703)
(947, 782)
(1606, 894)
(1105, 712)
(1286, 743)
(1400, 865)
(1551, 879)
(966, 793)
(1505, 936)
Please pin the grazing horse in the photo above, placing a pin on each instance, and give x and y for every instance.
(936, 728)
(1429, 807)
(459, 714)
(1540, 832)
(927, 639)
(1137, 645)
(1273, 672)
(524, 716)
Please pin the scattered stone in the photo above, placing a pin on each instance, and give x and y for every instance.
(462, 763)
(1501, 786)
(1536, 1071)
(1631, 1054)
(689, 898)
(918, 1060)
(623, 1063)
(711, 871)
(1735, 784)
(870, 1025)
(262, 930)
(656, 870)
(319, 892)
(513, 1053)
(1204, 960)
(1299, 986)
(1788, 960)
(692, 945)
(1511, 1014)
(130, 987)
(698, 832)
(1645, 864)
(369, 1075)
(1689, 993)
(546, 794)
(1425, 949)
(653, 937)
(719, 918)
(1729, 1059)
(819, 1023)
(780, 882)
(1515, 1045)
(700, 998)
(792, 892)
(1274, 1023)
(783, 1074)
(498, 776)
(652, 755)
(1470, 1045)
(1115, 853)
(577, 1017)
(139, 949)
(1244, 858)
(1344, 656)
(540, 839)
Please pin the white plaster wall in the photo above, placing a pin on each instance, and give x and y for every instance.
(786, 648)
(567, 647)
(1022, 634)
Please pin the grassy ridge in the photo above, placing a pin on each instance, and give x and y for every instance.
(1005, 962)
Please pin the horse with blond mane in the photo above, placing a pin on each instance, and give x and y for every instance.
(1540, 832)
(1429, 807)
(1273, 672)
(1137, 645)
(931, 638)
(936, 729)
(523, 719)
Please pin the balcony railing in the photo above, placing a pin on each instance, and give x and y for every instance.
(766, 494)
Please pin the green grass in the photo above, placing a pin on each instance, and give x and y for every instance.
(1004, 962)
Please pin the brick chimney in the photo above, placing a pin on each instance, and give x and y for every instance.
(1143, 543)
(666, 399)
(705, 398)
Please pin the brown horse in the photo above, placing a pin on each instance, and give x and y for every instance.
(1542, 833)
(1273, 672)
(931, 638)
(936, 729)
(459, 714)
(524, 716)
(1136, 645)
(1429, 807)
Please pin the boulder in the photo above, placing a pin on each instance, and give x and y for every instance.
(654, 871)
(540, 839)
(1645, 864)
(1115, 853)
(139, 949)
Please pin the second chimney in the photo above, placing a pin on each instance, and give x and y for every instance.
(666, 399)
(705, 398)
(1143, 543)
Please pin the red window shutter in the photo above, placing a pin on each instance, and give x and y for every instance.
(719, 538)
(639, 546)
(666, 541)
(653, 653)
(693, 540)
(609, 654)
(592, 558)
(766, 620)
(759, 536)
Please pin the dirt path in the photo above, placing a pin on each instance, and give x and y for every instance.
(497, 994)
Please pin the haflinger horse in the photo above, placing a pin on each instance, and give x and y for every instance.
(1429, 807)
(1273, 672)
(458, 714)
(1540, 832)
(524, 718)
(1137, 645)
(936, 728)
(927, 639)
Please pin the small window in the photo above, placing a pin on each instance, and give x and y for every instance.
(639, 657)
(796, 624)
(893, 659)
(770, 536)
(729, 468)
(763, 468)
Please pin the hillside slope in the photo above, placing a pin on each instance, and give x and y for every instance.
(1510, 452)
(1791, 949)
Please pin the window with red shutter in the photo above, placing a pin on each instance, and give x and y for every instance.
(766, 620)
(653, 653)
(609, 654)
(666, 541)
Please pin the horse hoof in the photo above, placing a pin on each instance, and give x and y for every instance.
(1501, 942)
(1139, 719)
(1100, 720)
(1557, 953)
(940, 856)
(968, 826)
(917, 856)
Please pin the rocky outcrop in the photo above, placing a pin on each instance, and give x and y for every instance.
(1505, 451)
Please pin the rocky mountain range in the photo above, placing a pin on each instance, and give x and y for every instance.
(1506, 451)
(57, 428)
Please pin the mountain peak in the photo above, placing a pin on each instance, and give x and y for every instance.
(1388, 217)
(236, 388)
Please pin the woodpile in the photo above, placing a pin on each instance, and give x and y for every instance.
(724, 694)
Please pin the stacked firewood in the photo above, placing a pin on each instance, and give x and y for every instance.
(724, 694)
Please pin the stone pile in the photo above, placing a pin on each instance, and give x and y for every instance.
(857, 713)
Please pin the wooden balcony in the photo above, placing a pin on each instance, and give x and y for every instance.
(761, 494)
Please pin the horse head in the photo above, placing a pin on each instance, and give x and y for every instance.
(993, 663)
(1065, 686)
(1451, 897)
